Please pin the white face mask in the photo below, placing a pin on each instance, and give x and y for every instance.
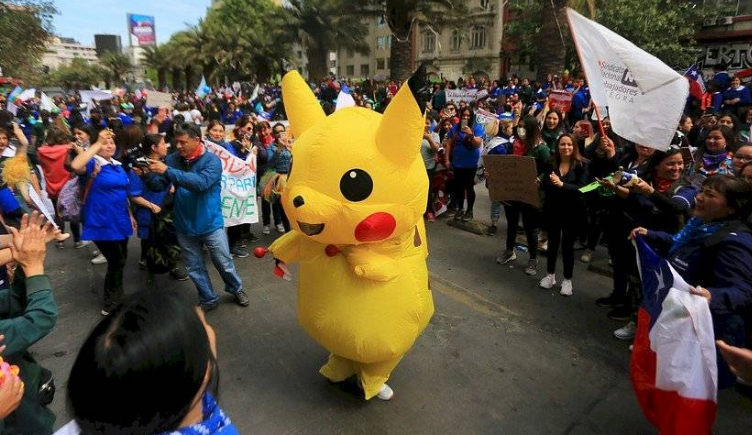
(521, 133)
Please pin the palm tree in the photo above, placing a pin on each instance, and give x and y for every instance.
(554, 31)
(322, 26)
(116, 66)
(402, 15)
(155, 56)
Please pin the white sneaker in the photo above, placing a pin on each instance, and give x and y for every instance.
(99, 259)
(506, 257)
(82, 244)
(266, 229)
(566, 288)
(627, 332)
(280, 228)
(385, 393)
(548, 282)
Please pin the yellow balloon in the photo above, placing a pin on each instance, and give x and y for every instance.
(355, 197)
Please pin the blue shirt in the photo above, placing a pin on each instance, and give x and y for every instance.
(106, 216)
(464, 156)
(143, 214)
(280, 161)
(742, 93)
(197, 209)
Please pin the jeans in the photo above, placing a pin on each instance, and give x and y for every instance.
(116, 252)
(219, 251)
(495, 211)
(464, 187)
(266, 213)
(562, 230)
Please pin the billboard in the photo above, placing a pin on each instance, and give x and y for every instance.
(141, 30)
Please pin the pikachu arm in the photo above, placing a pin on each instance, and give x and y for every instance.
(371, 265)
(287, 247)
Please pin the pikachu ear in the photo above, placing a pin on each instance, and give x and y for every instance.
(303, 110)
(401, 130)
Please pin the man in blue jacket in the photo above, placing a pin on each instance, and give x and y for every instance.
(196, 174)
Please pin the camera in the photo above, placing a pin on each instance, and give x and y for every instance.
(141, 162)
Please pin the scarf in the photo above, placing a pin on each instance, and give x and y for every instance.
(711, 162)
(693, 233)
(195, 155)
(215, 421)
(550, 136)
(662, 185)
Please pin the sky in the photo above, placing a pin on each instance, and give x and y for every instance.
(82, 19)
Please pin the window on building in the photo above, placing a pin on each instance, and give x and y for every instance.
(429, 42)
(365, 70)
(381, 43)
(350, 70)
(389, 62)
(380, 63)
(381, 22)
(389, 41)
(479, 38)
(484, 4)
(300, 54)
(456, 40)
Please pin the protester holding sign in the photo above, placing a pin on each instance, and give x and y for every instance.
(197, 175)
(464, 145)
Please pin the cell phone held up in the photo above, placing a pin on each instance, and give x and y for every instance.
(463, 124)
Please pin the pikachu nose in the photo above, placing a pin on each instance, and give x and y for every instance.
(298, 201)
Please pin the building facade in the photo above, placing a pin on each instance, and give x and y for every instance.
(61, 51)
(355, 65)
(726, 41)
(107, 44)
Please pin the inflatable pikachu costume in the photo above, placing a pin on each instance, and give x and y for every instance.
(355, 197)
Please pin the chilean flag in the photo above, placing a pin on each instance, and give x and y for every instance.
(673, 366)
(696, 82)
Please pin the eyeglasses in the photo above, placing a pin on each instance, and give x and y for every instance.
(743, 158)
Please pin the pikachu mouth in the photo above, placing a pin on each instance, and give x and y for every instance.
(310, 229)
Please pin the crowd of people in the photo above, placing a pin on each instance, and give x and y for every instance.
(118, 168)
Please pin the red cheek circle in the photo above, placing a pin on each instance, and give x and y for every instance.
(378, 226)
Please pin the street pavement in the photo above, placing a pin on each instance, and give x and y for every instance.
(500, 356)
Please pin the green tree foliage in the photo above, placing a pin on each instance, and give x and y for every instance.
(115, 67)
(79, 74)
(25, 27)
(664, 28)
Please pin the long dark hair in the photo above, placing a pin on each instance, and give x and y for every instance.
(577, 158)
(150, 140)
(141, 368)
(532, 132)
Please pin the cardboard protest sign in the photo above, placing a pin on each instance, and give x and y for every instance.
(238, 187)
(458, 95)
(560, 100)
(483, 117)
(512, 178)
(159, 99)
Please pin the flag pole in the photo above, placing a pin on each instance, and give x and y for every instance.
(584, 72)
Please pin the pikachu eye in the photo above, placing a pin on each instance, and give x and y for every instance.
(356, 185)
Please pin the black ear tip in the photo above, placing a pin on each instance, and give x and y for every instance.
(418, 83)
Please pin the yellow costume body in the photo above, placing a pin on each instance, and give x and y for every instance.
(355, 197)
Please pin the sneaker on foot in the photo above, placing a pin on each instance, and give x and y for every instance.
(265, 230)
(60, 245)
(467, 217)
(627, 332)
(239, 252)
(532, 267)
(142, 265)
(548, 281)
(543, 245)
(99, 259)
(82, 243)
(587, 256)
(458, 215)
(208, 306)
(431, 217)
(492, 230)
(241, 298)
(178, 274)
(386, 392)
(252, 238)
(566, 288)
(280, 228)
(507, 257)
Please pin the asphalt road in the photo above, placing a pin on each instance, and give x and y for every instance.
(501, 356)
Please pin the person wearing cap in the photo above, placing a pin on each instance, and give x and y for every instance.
(197, 213)
(125, 114)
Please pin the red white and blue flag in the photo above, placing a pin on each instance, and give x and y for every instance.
(673, 366)
(696, 82)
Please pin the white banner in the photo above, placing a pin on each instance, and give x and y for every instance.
(644, 96)
(238, 187)
(458, 95)
(158, 99)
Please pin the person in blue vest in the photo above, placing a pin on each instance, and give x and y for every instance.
(721, 76)
(125, 114)
(580, 101)
(196, 174)
(736, 96)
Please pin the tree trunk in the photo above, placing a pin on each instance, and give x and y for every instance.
(318, 62)
(551, 53)
(188, 78)
(401, 54)
(175, 79)
(161, 78)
